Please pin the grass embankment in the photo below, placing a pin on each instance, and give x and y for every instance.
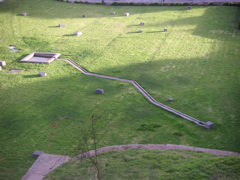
(195, 62)
(152, 164)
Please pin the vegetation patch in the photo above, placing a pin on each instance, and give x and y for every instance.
(148, 127)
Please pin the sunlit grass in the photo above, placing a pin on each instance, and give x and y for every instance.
(195, 62)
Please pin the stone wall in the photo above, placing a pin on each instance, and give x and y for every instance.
(158, 1)
(172, 1)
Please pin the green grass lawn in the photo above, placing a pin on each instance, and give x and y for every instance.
(196, 62)
(152, 164)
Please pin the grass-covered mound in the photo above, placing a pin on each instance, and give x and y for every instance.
(196, 62)
(152, 164)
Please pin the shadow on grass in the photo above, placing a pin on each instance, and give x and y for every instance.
(155, 32)
(72, 95)
(54, 9)
(135, 25)
(31, 76)
(53, 26)
(69, 35)
(133, 32)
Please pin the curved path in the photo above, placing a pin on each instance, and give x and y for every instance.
(152, 146)
(207, 125)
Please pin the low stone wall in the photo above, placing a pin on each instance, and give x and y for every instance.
(172, 1)
(155, 1)
(152, 146)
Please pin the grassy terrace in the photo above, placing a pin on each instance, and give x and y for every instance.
(152, 164)
(196, 62)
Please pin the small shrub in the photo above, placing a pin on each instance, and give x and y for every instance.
(185, 4)
(143, 4)
(175, 4)
(212, 4)
(155, 4)
(231, 4)
(99, 3)
(132, 4)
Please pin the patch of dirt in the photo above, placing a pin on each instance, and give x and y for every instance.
(15, 70)
(217, 31)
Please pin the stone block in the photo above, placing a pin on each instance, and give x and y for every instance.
(99, 91)
(24, 14)
(209, 125)
(15, 70)
(126, 14)
(36, 154)
(11, 47)
(84, 15)
(14, 50)
(2, 63)
(141, 30)
(170, 99)
(42, 74)
(165, 29)
(113, 13)
(62, 25)
(78, 33)
(189, 7)
(141, 23)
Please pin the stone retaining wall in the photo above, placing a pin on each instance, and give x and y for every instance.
(157, 1)
(152, 146)
(172, 1)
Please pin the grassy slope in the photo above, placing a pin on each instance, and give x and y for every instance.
(152, 164)
(196, 62)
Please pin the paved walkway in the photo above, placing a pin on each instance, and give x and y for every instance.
(44, 165)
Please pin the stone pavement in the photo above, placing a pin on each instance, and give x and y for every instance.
(44, 165)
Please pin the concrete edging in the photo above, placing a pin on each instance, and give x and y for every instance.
(208, 125)
(152, 146)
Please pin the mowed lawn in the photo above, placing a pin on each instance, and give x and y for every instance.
(152, 164)
(196, 62)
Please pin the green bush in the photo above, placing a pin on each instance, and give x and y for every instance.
(143, 4)
(212, 4)
(155, 4)
(185, 4)
(231, 4)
